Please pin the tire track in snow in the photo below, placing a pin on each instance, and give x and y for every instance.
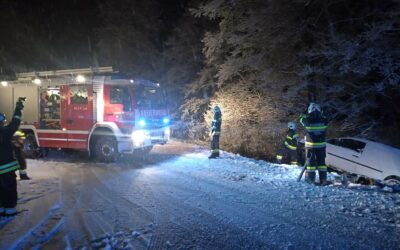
(36, 235)
(273, 214)
(40, 215)
(102, 211)
(292, 221)
(74, 230)
(169, 229)
(141, 218)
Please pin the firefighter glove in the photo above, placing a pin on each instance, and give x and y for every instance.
(20, 105)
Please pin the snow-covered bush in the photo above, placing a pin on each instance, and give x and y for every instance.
(268, 59)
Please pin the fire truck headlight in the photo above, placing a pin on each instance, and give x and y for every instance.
(142, 123)
(138, 137)
(166, 121)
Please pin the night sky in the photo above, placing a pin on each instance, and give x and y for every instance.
(41, 35)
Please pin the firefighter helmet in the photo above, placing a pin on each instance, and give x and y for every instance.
(216, 109)
(313, 107)
(2, 119)
(291, 125)
(20, 134)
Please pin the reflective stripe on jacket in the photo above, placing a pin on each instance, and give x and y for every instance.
(315, 126)
(12, 166)
(291, 139)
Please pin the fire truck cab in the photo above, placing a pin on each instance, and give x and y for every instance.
(89, 109)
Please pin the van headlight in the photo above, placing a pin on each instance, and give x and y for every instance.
(138, 137)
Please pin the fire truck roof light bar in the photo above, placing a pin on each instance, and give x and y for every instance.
(65, 72)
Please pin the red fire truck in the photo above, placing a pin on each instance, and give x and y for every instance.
(90, 109)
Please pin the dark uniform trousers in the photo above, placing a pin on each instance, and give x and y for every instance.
(8, 190)
(316, 161)
(290, 156)
(215, 144)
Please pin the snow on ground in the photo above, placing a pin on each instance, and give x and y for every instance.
(177, 198)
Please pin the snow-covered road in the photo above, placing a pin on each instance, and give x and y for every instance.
(178, 199)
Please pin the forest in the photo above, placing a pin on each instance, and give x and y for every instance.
(261, 61)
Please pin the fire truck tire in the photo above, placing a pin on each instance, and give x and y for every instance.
(106, 149)
(31, 149)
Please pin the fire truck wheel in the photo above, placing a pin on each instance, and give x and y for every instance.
(106, 149)
(31, 148)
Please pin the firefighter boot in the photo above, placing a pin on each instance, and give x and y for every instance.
(323, 178)
(213, 156)
(10, 212)
(310, 178)
(23, 175)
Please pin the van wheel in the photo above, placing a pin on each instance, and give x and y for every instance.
(106, 149)
(31, 149)
(365, 181)
(392, 181)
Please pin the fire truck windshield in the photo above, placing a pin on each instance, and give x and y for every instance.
(149, 97)
(121, 95)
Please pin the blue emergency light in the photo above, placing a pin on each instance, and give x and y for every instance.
(142, 122)
(166, 121)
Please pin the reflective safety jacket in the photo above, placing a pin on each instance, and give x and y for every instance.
(291, 139)
(216, 124)
(315, 126)
(7, 160)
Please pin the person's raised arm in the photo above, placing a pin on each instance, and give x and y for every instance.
(16, 119)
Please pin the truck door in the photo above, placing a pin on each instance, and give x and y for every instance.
(79, 118)
(51, 110)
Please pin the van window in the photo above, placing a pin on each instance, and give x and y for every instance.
(335, 142)
(352, 144)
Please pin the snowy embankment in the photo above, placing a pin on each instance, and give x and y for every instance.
(178, 198)
(382, 205)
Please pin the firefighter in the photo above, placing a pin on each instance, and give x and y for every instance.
(315, 125)
(288, 153)
(8, 164)
(291, 143)
(215, 132)
(18, 146)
